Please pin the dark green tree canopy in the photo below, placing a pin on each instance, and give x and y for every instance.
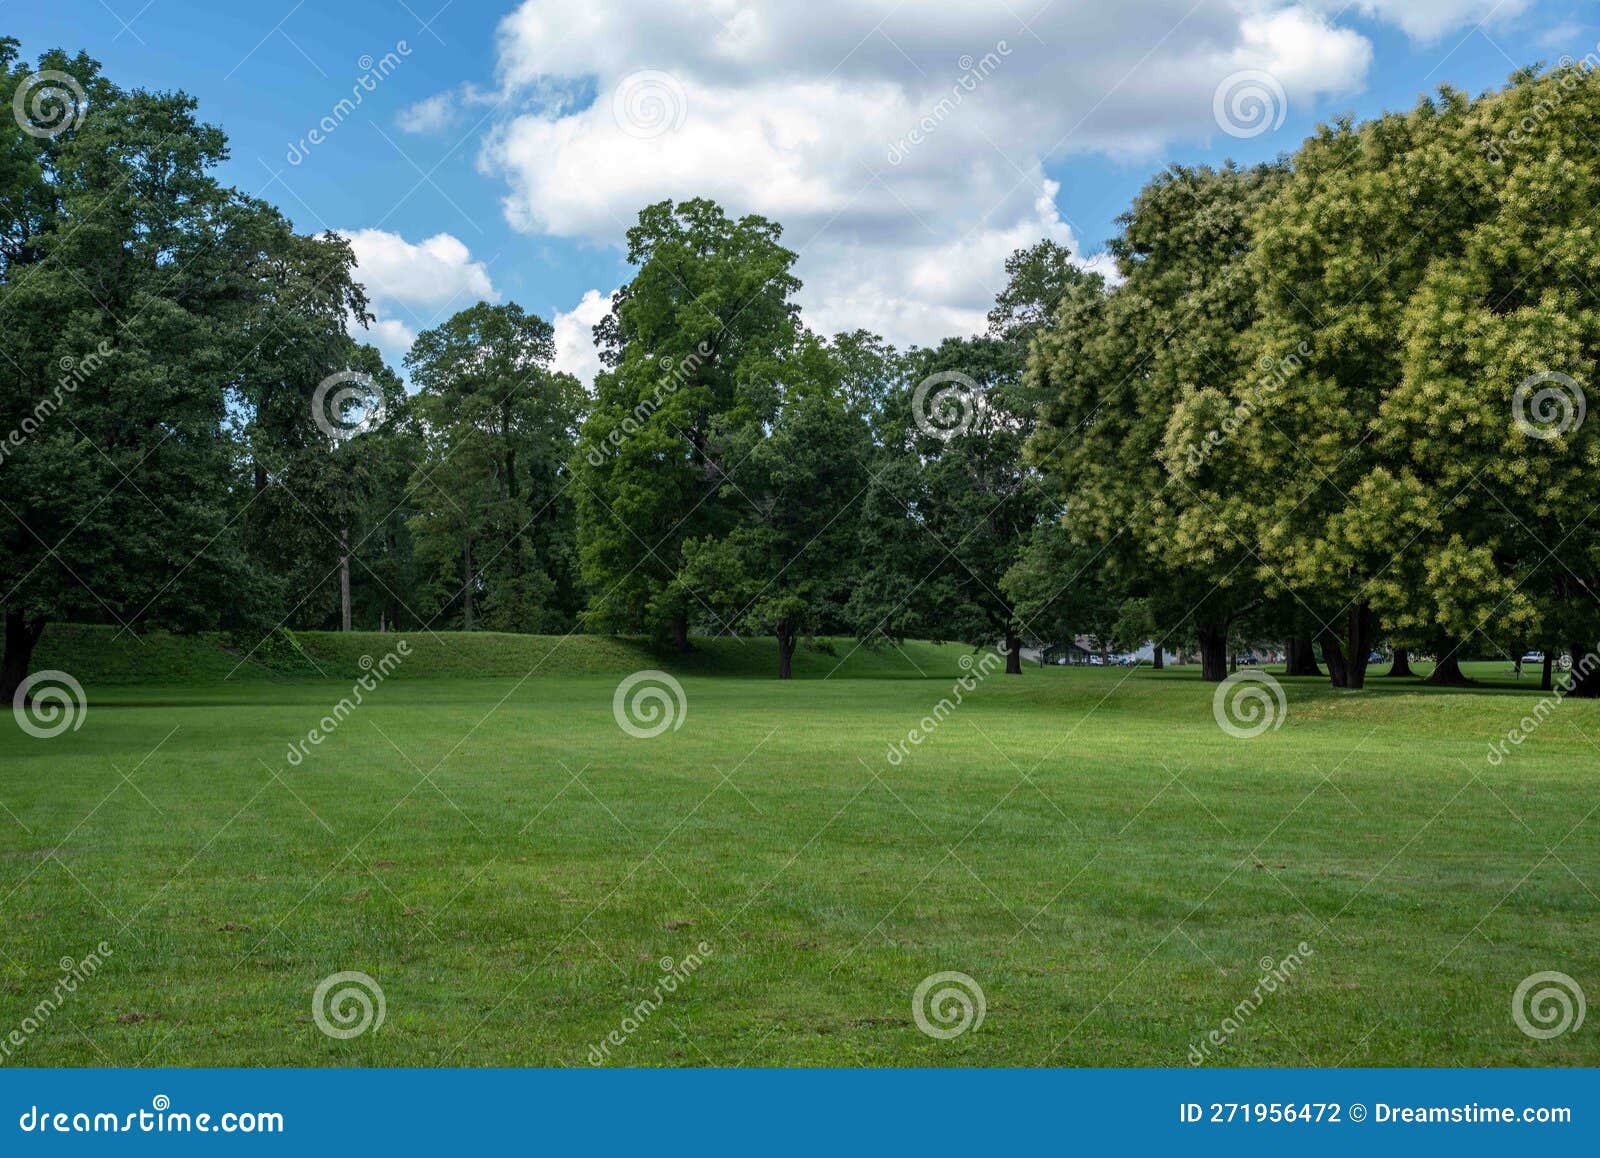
(709, 312)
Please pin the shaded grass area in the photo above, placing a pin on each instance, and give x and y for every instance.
(512, 868)
(103, 656)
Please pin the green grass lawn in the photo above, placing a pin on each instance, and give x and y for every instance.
(511, 867)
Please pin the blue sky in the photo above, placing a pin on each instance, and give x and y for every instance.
(506, 139)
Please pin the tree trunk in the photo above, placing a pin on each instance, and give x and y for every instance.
(786, 635)
(21, 636)
(1401, 665)
(1333, 656)
(1359, 635)
(679, 627)
(1447, 671)
(1585, 674)
(1301, 659)
(466, 590)
(1213, 652)
(1013, 652)
(1547, 678)
(1160, 661)
(344, 578)
(510, 448)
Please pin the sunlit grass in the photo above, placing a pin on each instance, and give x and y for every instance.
(512, 868)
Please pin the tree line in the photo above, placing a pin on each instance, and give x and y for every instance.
(1334, 401)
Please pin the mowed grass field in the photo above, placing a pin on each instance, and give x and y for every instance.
(511, 867)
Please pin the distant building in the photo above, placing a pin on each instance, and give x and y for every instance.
(1085, 649)
(1064, 653)
(1147, 654)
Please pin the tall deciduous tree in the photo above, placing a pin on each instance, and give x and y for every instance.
(801, 448)
(1114, 369)
(1500, 340)
(1037, 279)
(494, 517)
(951, 502)
(710, 304)
(1338, 255)
(296, 366)
(119, 258)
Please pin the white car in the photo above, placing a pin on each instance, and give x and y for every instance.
(1533, 657)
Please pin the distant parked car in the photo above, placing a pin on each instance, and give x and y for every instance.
(1250, 659)
(1375, 657)
(1533, 657)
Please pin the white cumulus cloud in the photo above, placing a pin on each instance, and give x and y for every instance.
(429, 273)
(412, 286)
(1427, 20)
(428, 116)
(902, 148)
(393, 339)
(575, 349)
